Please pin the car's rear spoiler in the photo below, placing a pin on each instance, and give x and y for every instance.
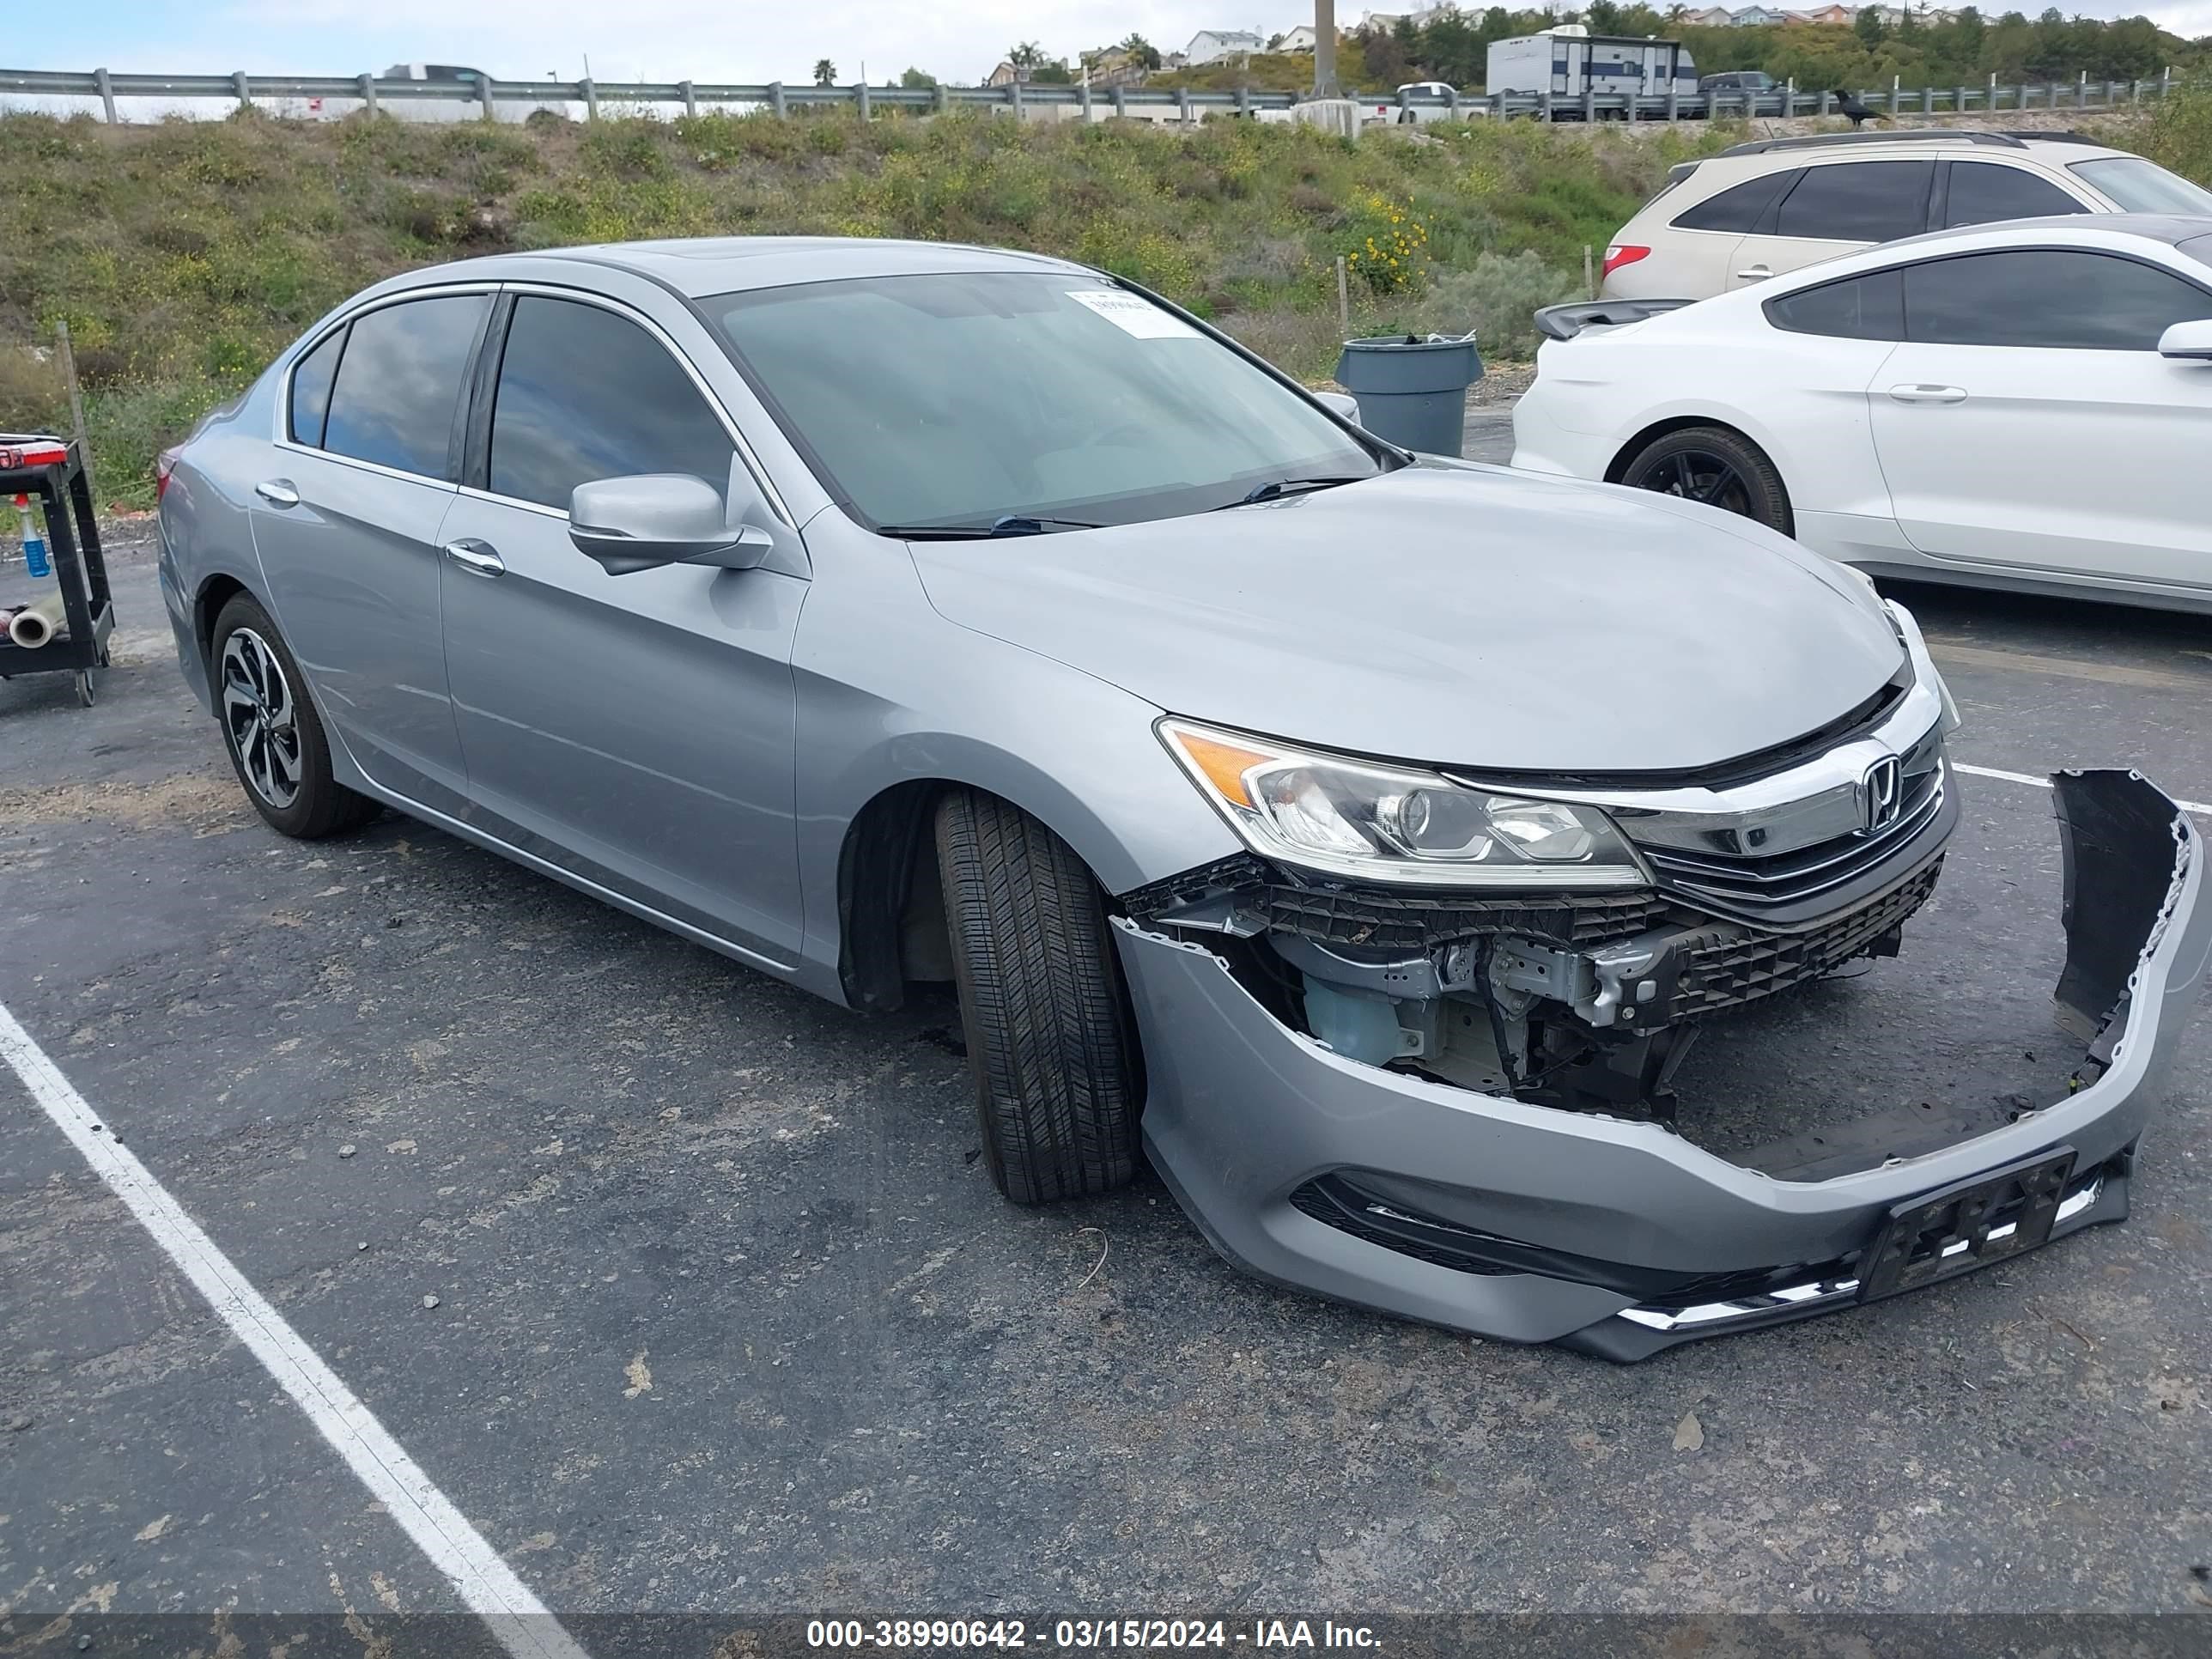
(1564, 322)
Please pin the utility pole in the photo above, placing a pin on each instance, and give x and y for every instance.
(1324, 48)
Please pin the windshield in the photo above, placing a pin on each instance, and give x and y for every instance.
(2140, 186)
(961, 400)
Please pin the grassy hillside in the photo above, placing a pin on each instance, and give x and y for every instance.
(185, 255)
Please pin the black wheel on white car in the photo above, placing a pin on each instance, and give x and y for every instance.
(1050, 1041)
(276, 743)
(1716, 465)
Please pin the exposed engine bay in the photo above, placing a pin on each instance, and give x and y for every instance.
(1584, 1002)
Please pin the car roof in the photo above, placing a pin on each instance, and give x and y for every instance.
(1763, 153)
(700, 266)
(2171, 228)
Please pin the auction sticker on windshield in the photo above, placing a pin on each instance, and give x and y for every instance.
(1132, 314)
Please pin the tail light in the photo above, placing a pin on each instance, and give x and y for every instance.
(1623, 253)
(166, 463)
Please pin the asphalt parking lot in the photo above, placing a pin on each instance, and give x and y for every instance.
(729, 1320)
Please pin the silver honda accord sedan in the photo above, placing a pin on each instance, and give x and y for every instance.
(1361, 836)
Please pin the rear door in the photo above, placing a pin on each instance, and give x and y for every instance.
(346, 524)
(637, 731)
(1692, 254)
(2029, 422)
(1834, 208)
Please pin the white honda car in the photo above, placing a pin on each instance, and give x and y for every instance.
(2023, 405)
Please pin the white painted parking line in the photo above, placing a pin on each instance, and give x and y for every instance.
(2196, 807)
(484, 1582)
(1959, 655)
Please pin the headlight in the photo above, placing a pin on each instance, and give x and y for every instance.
(1381, 824)
(1923, 665)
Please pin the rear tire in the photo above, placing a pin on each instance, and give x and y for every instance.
(1050, 1042)
(1717, 466)
(276, 740)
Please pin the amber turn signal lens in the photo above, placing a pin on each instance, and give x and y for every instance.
(1223, 764)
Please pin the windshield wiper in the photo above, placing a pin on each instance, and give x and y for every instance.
(1275, 488)
(1013, 523)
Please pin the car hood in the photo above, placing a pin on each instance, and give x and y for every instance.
(1456, 615)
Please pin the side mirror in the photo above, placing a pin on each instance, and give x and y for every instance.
(653, 518)
(1341, 403)
(2189, 342)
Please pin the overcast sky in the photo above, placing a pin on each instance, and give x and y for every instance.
(721, 40)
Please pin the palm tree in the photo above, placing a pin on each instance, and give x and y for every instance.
(1141, 52)
(825, 72)
(1027, 57)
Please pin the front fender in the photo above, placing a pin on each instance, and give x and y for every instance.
(890, 694)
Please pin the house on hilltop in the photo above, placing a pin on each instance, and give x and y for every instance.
(1211, 45)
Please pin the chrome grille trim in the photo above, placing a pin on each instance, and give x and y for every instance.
(1815, 1292)
(1731, 847)
(1746, 884)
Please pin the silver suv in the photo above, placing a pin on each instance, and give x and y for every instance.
(1761, 209)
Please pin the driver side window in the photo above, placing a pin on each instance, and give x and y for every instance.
(585, 394)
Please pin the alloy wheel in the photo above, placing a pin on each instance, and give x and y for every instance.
(261, 716)
(1698, 475)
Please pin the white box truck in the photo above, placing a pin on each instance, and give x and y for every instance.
(1569, 61)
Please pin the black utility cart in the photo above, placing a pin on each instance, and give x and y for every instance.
(53, 474)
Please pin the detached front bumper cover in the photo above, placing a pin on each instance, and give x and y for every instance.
(1525, 1223)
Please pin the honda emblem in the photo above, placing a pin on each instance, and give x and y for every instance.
(1882, 794)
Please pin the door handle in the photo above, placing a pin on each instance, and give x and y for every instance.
(1928, 394)
(472, 555)
(277, 492)
(1754, 274)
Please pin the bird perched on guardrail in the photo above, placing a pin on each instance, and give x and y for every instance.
(1849, 103)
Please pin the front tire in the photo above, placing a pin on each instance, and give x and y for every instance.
(1717, 466)
(276, 740)
(1050, 1042)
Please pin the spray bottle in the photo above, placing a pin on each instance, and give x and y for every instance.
(34, 545)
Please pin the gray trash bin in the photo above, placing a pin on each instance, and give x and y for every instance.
(1413, 392)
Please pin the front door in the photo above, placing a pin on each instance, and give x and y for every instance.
(346, 527)
(637, 731)
(2027, 421)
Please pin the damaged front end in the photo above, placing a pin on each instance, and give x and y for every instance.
(1466, 1113)
(1589, 1000)
(1584, 1002)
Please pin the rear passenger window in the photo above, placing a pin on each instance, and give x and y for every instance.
(1982, 192)
(1868, 307)
(1858, 202)
(311, 389)
(399, 383)
(1737, 208)
(585, 394)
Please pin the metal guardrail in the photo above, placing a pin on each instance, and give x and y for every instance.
(782, 100)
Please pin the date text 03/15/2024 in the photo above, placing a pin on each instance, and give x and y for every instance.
(1123, 1634)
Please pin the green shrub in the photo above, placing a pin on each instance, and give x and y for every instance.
(631, 148)
(1496, 296)
(128, 428)
(185, 254)
(2179, 134)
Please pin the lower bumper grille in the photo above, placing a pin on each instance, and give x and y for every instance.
(1386, 1210)
(1727, 965)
